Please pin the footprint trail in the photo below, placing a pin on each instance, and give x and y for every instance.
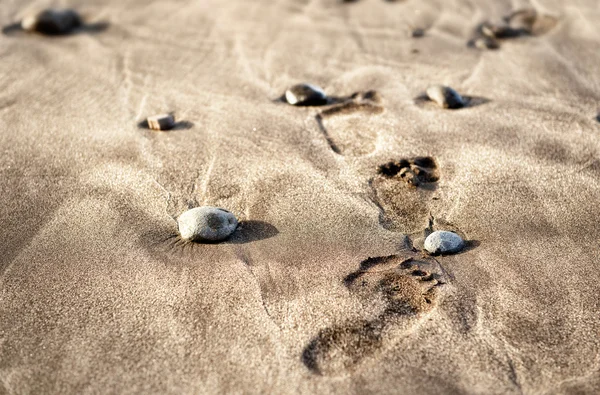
(405, 287)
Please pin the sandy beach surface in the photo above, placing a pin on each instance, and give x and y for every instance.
(324, 287)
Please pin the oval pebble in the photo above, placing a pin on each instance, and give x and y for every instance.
(305, 95)
(443, 242)
(445, 96)
(51, 21)
(206, 224)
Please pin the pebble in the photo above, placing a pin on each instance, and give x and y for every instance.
(206, 224)
(418, 33)
(485, 43)
(305, 95)
(443, 242)
(51, 21)
(500, 31)
(445, 96)
(161, 122)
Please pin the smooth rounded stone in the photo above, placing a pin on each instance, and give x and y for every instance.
(206, 224)
(445, 96)
(305, 95)
(51, 21)
(443, 242)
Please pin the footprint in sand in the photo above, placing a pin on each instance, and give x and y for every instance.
(401, 289)
(403, 190)
(343, 124)
(520, 23)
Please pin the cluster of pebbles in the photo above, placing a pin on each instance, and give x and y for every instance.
(525, 22)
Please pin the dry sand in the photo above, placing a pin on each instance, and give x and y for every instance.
(98, 295)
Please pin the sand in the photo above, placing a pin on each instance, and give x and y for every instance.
(324, 287)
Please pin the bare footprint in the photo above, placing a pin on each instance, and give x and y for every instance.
(344, 126)
(402, 190)
(405, 287)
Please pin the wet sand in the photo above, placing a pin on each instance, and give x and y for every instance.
(324, 287)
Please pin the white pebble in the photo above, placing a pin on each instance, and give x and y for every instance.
(443, 242)
(206, 224)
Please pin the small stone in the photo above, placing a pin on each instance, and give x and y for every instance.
(161, 122)
(418, 33)
(52, 21)
(443, 242)
(485, 43)
(305, 95)
(445, 96)
(206, 224)
(499, 31)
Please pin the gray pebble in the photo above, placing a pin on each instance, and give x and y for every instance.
(418, 33)
(206, 224)
(445, 96)
(443, 242)
(305, 95)
(51, 21)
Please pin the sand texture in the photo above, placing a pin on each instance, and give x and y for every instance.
(324, 287)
